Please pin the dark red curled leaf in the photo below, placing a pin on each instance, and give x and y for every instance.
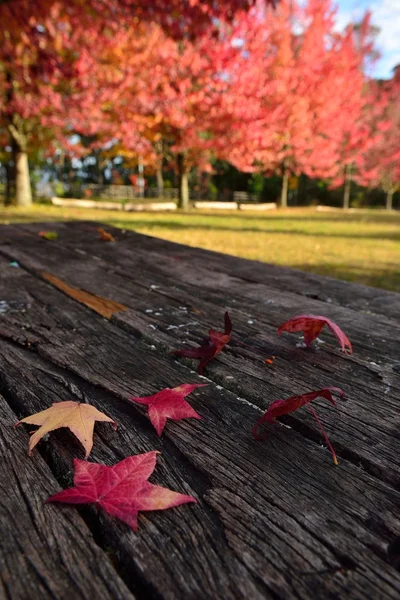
(311, 326)
(284, 407)
(211, 347)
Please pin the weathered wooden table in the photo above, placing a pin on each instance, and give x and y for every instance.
(275, 519)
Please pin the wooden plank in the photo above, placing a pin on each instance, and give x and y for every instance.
(369, 378)
(44, 552)
(372, 336)
(284, 522)
(257, 520)
(326, 289)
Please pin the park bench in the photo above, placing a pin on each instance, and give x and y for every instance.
(94, 321)
(244, 198)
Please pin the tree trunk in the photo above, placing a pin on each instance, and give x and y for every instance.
(347, 187)
(23, 191)
(183, 183)
(160, 181)
(141, 176)
(389, 200)
(284, 190)
(159, 172)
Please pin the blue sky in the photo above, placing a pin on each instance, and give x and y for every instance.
(386, 15)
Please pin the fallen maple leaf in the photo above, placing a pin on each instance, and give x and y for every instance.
(284, 407)
(170, 404)
(121, 490)
(48, 235)
(311, 326)
(211, 347)
(270, 361)
(104, 235)
(79, 418)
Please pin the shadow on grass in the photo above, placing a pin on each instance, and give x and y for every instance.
(179, 226)
(380, 217)
(384, 278)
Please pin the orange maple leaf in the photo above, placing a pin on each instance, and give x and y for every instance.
(105, 236)
(79, 418)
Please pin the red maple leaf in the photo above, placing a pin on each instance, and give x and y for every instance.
(170, 404)
(284, 407)
(211, 347)
(312, 325)
(121, 490)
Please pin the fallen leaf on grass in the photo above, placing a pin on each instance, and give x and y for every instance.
(48, 235)
(170, 404)
(121, 490)
(311, 326)
(105, 236)
(284, 407)
(79, 418)
(211, 347)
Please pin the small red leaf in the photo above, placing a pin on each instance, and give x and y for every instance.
(311, 326)
(284, 407)
(211, 347)
(121, 490)
(170, 404)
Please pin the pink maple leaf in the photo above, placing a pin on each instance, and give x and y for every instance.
(311, 326)
(122, 490)
(170, 403)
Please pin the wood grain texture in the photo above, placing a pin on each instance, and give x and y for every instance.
(282, 512)
(326, 289)
(44, 553)
(274, 519)
(173, 307)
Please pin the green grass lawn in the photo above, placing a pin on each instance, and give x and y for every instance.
(363, 247)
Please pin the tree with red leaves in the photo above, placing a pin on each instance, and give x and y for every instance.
(309, 77)
(352, 122)
(47, 45)
(172, 96)
(39, 70)
(379, 164)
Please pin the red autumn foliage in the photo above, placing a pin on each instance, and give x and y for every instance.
(311, 326)
(121, 490)
(211, 347)
(289, 95)
(284, 407)
(170, 404)
(379, 163)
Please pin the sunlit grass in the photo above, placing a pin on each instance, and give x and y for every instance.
(363, 247)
